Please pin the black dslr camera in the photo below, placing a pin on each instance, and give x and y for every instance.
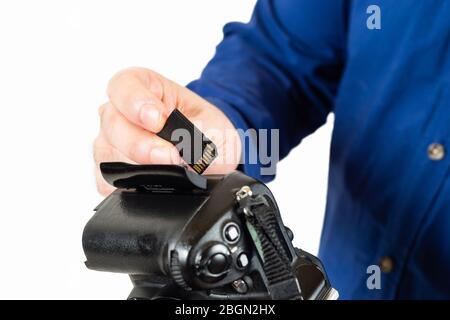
(180, 235)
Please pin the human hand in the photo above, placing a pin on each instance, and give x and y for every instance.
(140, 100)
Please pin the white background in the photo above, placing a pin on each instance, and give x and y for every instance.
(55, 60)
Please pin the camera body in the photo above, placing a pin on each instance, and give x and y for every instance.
(180, 235)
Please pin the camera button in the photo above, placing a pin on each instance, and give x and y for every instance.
(242, 260)
(218, 263)
(231, 232)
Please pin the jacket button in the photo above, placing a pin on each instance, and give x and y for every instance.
(436, 151)
(386, 264)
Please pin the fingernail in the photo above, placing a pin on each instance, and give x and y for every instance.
(161, 155)
(150, 117)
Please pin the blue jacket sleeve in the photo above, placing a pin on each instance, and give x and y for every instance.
(279, 71)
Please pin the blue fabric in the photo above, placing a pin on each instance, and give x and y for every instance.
(298, 60)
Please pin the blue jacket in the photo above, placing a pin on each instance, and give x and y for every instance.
(389, 89)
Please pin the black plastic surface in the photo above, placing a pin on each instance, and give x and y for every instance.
(164, 177)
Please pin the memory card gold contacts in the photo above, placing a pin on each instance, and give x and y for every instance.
(199, 160)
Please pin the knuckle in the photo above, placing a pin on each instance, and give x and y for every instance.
(108, 121)
(95, 151)
(96, 143)
(139, 152)
(125, 76)
(102, 153)
(101, 109)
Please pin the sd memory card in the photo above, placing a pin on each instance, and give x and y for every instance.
(198, 151)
